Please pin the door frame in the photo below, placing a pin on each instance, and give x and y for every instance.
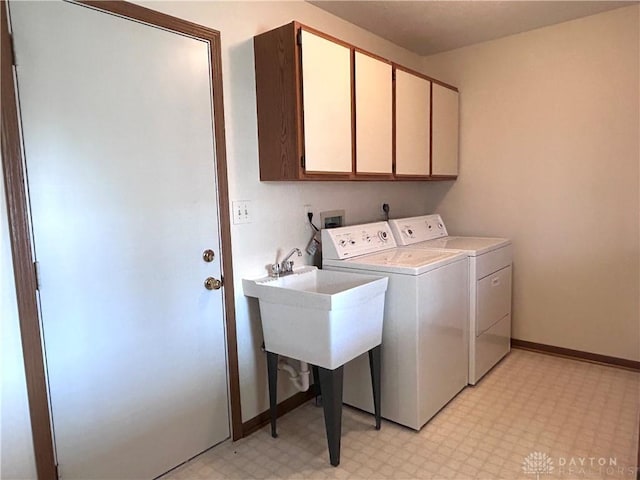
(20, 228)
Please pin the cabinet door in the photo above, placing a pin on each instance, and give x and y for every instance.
(326, 90)
(373, 84)
(445, 131)
(412, 124)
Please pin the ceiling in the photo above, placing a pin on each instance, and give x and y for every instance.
(428, 27)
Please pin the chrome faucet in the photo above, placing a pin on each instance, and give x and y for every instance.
(286, 266)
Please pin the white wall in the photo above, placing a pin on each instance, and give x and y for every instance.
(16, 447)
(549, 156)
(277, 207)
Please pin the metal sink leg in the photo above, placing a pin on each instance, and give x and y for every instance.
(374, 366)
(272, 370)
(331, 387)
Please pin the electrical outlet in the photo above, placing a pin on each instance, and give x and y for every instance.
(307, 208)
(241, 211)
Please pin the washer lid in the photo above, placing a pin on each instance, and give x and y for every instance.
(400, 260)
(472, 246)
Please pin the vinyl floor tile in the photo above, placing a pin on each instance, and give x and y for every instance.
(534, 416)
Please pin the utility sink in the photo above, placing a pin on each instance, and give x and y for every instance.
(325, 318)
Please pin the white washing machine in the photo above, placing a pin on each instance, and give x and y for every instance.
(424, 341)
(490, 261)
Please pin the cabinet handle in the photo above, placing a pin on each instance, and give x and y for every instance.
(495, 281)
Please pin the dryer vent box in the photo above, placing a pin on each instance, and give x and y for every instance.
(332, 219)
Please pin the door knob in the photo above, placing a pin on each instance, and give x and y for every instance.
(212, 284)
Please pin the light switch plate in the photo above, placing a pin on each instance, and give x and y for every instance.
(241, 211)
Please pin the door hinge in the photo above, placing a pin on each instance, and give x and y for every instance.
(13, 50)
(302, 161)
(58, 474)
(299, 37)
(36, 268)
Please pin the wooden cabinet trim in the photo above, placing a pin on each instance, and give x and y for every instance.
(373, 176)
(323, 172)
(299, 107)
(422, 75)
(411, 176)
(323, 176)
(372, 55)
(425, 178)
(431, 129)
(393, 119)
(301, 26)
(354, 151)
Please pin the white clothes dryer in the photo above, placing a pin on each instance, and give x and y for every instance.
(490, 264)
(424, 343)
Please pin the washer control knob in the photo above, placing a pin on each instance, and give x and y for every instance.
(343, 243)
(408, 232)
(383, 235)
(440, 226)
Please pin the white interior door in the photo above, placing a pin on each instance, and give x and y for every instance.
(117, 124)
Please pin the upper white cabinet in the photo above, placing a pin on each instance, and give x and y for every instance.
(328, 110)
(444, 155)
(374, 114)
(413, 119)
(326, 94)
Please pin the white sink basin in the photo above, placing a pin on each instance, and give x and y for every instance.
(325, 318)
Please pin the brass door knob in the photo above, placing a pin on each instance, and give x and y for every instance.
(212, 284)
(208, 255)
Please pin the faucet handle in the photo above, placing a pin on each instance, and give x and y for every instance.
(275, 270)
(287, 266)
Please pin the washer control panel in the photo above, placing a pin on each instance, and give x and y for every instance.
(417, 229)
(355, 240)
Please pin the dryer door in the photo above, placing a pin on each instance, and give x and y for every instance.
(493, 299)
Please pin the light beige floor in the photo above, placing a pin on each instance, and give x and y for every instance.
(573, 415)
